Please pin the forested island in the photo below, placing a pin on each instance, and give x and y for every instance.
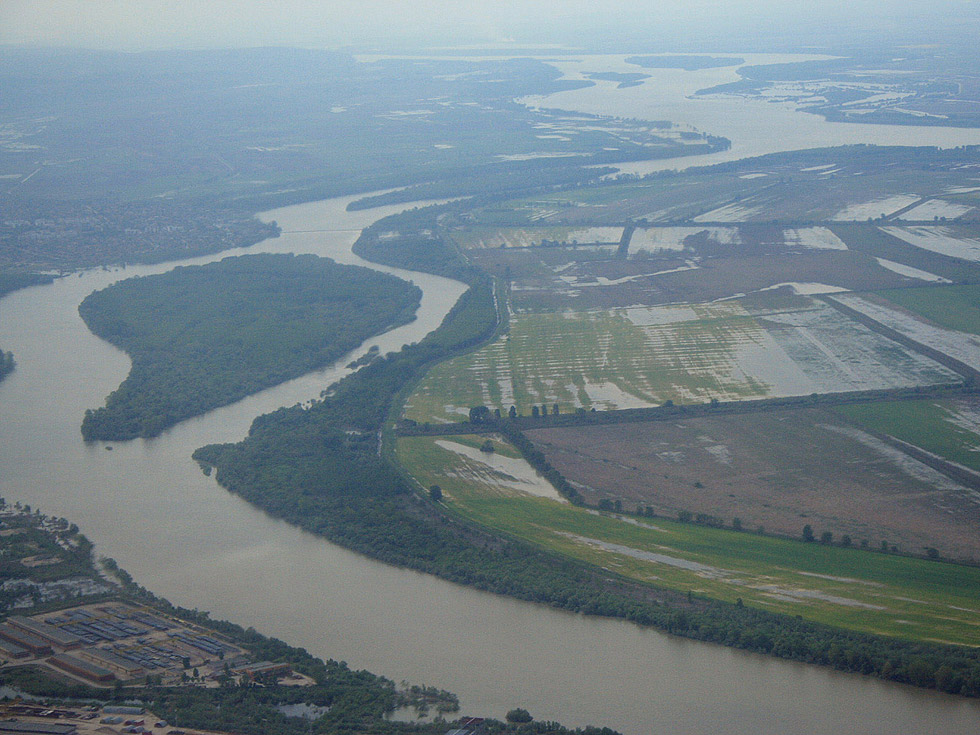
(205, 336)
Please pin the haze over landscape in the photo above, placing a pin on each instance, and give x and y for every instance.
(514, 367)
(155, 24)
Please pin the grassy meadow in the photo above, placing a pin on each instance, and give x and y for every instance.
(857, 589)
(946, 428)
(953, 307)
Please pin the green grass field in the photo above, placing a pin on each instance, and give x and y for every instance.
(935, 426)
(954, 307)
(860, 590)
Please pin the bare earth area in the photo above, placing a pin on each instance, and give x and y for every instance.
(780, 470)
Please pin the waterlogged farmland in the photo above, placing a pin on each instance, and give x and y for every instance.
(851, 588)
(961, 346)
(951, 241)
(645, 356)
(692, 239)
(470, 463)
(454, 135)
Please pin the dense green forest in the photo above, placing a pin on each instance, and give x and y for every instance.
(321, 468)
(205, 336)
(6, 363)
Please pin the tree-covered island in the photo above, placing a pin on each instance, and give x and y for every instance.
(204, 336)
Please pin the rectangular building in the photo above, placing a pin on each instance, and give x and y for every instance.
(36, 645)
(55, 636)
(14, 727)
(126, 670)
(12, 650)
(85, 669)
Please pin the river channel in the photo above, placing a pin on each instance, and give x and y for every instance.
(755, 126)
(181, 535)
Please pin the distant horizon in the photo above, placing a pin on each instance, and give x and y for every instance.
(575, 25)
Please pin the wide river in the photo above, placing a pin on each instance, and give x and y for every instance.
(149, 506)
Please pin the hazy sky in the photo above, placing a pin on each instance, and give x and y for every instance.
(144, 24)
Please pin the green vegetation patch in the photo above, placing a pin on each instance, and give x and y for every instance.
(878, 593)
(950, 429)
(954, 307)
(205, 336)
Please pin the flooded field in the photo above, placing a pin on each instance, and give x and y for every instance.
(938, 239)
(907, 270)
(936, 208)
(733, 240)
(660, 239)
(960, 345)
(465, 463)
(644, 356)
(875, 208)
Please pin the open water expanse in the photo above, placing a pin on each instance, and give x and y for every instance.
(148, 505)
(755, 126)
